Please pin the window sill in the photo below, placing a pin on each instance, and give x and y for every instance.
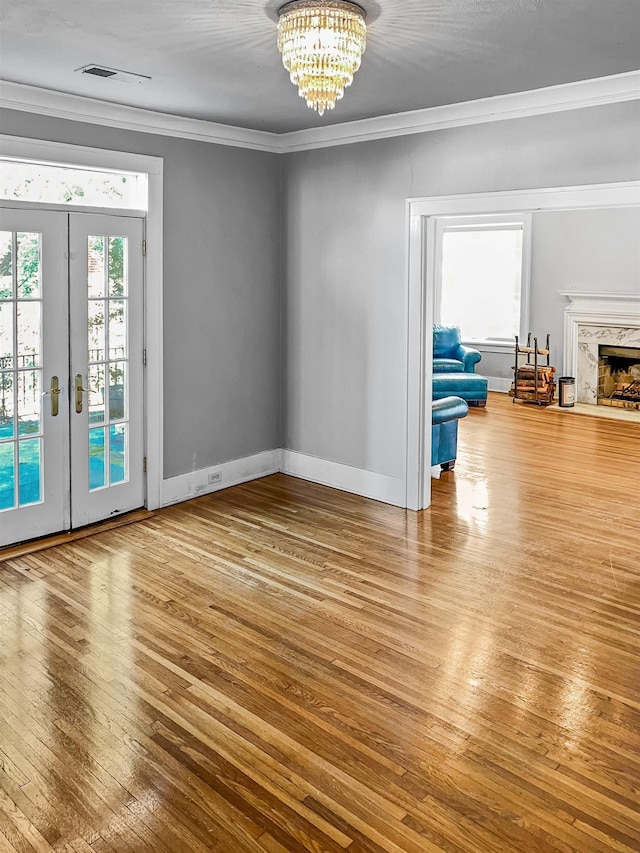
(491, 346)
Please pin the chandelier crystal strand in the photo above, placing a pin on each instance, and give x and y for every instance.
(321, 44)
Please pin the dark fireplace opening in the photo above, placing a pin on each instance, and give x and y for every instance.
(619, 376)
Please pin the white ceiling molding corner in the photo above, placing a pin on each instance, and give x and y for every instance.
(32, 99)
(569, 96)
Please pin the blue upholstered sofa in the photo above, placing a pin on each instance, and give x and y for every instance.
(454, 368)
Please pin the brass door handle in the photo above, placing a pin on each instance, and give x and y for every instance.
(55, 393)
(79, 391)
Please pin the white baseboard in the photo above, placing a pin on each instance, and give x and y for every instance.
(232, 473)
(496, 383)
(358, 481)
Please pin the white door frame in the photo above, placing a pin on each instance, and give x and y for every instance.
(421, 218)
(78, 155)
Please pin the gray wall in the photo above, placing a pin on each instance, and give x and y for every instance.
(344, 259)
(590, 250)
(221, 289)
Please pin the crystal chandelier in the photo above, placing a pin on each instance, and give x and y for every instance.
(321, 42)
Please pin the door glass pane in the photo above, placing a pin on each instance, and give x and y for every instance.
(117, 388)
(117, 266)
(117, 328)
(6, 264)
(6, 335)
(108, 360)
(20, 369)
(96, 458)
(117, 455)
(7, 475)
(95, 273)
(30, 470)
(29, 334)
(96, 394)
(29, 401)
(29, 267)
(7, 406)
(96, 329)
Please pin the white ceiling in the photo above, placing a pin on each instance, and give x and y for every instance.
(217, 59)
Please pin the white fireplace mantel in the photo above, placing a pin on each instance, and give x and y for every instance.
(595, 309)
(593, 301)
(592, 317)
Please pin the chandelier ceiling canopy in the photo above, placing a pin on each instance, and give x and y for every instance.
(321, 42)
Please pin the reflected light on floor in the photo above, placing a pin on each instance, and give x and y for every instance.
(575, 702)
(472, 503)
(110, 653)
(463, 674)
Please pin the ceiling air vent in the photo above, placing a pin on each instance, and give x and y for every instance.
(99, 72)
(113, 74)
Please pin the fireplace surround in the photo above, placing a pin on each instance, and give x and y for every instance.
(593, 320)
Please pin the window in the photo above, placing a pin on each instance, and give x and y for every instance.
(483, 277)
(53, 183)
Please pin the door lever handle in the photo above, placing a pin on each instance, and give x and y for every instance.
(79, 391)
(54, 391)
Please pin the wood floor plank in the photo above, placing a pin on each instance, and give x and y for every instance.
(284, 667)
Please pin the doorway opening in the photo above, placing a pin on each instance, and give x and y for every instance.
(422, 219)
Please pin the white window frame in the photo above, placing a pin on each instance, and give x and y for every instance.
(36, 150)
(489, 223)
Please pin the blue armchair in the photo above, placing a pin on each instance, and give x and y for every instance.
(444, 431)
(449, 355)
(454, 368)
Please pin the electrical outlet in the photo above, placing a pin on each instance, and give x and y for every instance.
(214, 477)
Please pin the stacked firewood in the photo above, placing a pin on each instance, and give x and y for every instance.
(534, 383)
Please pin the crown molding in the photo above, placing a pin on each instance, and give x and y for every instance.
(31, 99)
(568, 96)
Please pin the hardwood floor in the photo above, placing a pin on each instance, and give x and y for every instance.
(282, 667)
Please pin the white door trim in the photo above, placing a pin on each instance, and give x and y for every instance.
(78, 155)
(422, 213)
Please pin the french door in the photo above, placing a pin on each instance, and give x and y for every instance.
(71, 370)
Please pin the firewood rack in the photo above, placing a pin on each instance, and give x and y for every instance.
(533, 378)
